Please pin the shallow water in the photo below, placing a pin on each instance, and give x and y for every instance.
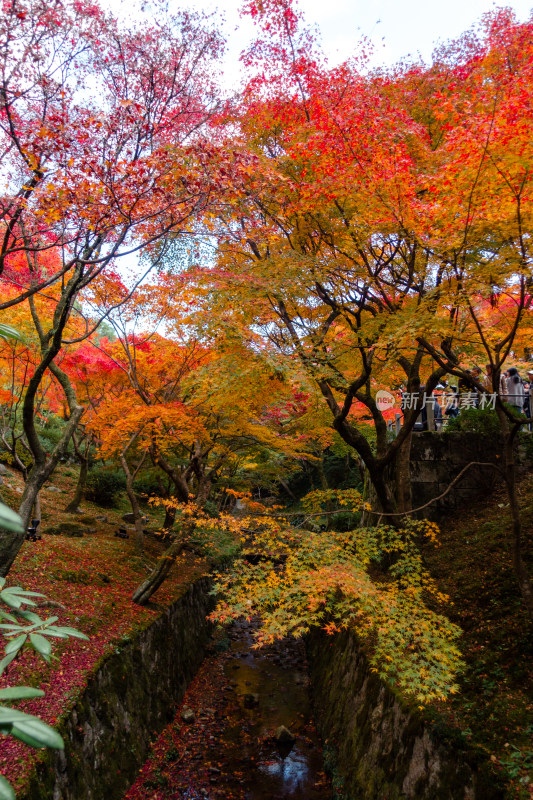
(239, 698)
(277, 674)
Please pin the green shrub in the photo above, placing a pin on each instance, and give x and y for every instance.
(146, 486)
(216, 543)
(345, 521)
(50, 428)
(104, 486)
(22, 454)
(475, 420)
(526, 444)
(211, 509)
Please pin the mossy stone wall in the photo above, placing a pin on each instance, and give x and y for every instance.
(438, 458)
(131, 697)
(383, 749)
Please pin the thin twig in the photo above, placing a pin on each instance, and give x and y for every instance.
(440, 496)
(383, 513)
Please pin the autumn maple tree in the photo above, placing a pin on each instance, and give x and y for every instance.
(310, 577)
(321, 244)
(194, 408)
(93, 174)
(329, 233)
(478, 206)
(386, 226)
(93, 177)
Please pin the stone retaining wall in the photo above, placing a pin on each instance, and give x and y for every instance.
(383, 749)
(132, 696)
(437, 458)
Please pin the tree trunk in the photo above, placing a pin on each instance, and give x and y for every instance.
(43, 464)
(11, 447)
(285, 486)
(204, 490)
(10, 543)
(380, 497)
(329, 504)
(37, 508)
(136, 509)
(377, 468)
(79, 493)
(179, 481)
(170, 518)
(384, 496)
(520, 569)
(40, 472)
(144, 592)
(403, 475)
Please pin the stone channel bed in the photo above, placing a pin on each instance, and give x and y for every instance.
(221, 743)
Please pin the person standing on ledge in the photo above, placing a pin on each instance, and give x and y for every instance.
(487, 380)
(515, 390)
(504, 387)
(529, 398)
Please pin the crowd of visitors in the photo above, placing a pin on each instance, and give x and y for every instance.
(513, 389)
(477, 390)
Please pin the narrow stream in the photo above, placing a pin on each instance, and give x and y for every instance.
(227, 749)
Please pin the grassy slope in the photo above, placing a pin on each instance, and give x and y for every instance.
(473, 565)
(90, 581)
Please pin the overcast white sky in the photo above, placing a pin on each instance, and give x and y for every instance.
(396, 27)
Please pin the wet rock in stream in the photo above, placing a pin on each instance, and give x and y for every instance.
(251, 700)
(284, 736)
(241, 699)
(187, 715)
